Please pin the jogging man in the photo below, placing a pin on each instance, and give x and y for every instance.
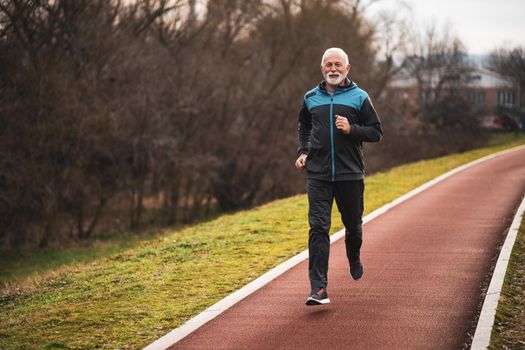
(334, 121)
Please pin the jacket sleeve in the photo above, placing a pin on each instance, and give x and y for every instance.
(304, 129)
(371, 130)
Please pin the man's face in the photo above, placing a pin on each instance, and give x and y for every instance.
(334, 69)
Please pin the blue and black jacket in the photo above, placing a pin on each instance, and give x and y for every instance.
(333, 155)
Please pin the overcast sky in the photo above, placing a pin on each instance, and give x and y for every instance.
(482, 25)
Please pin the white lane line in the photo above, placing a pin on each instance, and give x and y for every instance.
(213, 311)
(481, 338)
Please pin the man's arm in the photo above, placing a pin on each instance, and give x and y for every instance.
(304, 129)
(371, 130)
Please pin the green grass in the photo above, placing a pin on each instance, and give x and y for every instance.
(509, 326)
(128, 299)
(19, 265)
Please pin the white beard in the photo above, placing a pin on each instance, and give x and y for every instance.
(334, 81)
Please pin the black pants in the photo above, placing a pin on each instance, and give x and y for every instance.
(349, 198)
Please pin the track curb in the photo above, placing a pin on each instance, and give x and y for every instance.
(487, 316)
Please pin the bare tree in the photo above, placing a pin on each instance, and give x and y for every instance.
(438, 63)
(119, 115)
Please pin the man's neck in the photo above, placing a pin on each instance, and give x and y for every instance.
(331, 88)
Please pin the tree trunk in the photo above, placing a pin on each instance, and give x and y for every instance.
(96, 217)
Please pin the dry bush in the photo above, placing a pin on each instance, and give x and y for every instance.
(121, 115)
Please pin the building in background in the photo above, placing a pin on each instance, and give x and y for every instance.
(493, 100)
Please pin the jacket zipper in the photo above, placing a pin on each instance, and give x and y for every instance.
(332, 135)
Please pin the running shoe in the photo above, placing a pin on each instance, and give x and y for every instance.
(318, 297)
(356, 270)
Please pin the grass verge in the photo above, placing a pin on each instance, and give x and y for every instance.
(17, 266)
(128, 299)
(509, 326)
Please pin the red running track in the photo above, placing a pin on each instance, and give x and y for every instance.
(426, 263)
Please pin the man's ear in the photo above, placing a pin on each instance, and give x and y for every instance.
(349, 67)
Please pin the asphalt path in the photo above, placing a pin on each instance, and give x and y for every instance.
(427, 261)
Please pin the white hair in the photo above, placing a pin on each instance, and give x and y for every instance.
(335, 50)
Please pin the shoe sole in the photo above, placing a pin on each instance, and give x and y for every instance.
(311, 301)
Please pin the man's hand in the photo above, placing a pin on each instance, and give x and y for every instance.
(300, 163)
(342, 124)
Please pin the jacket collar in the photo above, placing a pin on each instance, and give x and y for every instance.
(349, 84)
